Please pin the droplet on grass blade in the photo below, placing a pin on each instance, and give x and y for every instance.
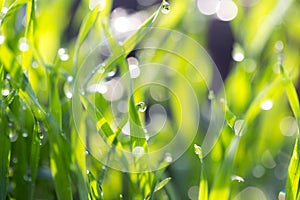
(63, 54)
(168, 158)
(142, 106)
(237, 178)
(13, 136)
(24, 134)
(165, 9)
(211, 95)
(23, 45)
(237, 127)
(2, 39)
(138, 151)
(67, 90)
(266, 105)
(198, 151)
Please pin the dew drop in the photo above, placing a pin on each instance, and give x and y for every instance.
(237, 127)
(198, 151)
(101, 68)
(5, 92)
(67, 90)
(266, 105)
(237, 178)
(13, 136)
(112, 73)
(23, 45)
(100, 88)
(211, 95)
(142, 106)
(165, 7)
(238, 53)
(24, 134)
(87, 171)
(4, 10)
(63, 54)
(168, 158)
(27, 178)
(2, 39)
(87, 153)
(15, 160)
(70, 78)
(134, 69)
(138, 151)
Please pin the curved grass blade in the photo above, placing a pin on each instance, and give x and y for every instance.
(86, 26)
(292, 185)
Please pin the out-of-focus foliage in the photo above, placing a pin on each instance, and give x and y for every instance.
(43, 153)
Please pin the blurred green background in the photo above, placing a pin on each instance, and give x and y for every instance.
(44, 43)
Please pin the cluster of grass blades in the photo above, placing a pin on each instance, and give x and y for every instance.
(43, 151)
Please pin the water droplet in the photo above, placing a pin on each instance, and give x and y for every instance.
(86, 152)
(70, 78)
(266, 105)
(165, 9)
(134, 69)
(138, 151)
(24, 134)
(4, 10)
(100, 87)
(279, 46)
(282, 195)
(198, 151)
(238, 126)
(168, 158)
(101, 68)
(13, 136)
(238, 53)
(15, 160)
(2, 39)
(5, 92)
(87, 171)
(63, 54)
(211, 95)
(112, 73)
(142, 106)
(27, 178)
(67, 90)
(121, 196)
(6, 88)
(237, 178)
(23, 45)
(34, 65)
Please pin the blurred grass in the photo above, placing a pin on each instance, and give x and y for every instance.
(43, 157)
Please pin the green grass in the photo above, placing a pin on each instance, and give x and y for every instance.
(50, 141)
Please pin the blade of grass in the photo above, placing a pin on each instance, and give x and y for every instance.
(5, 145)
(34, 154)
(203, 186)
(86, 26)
(292, 185)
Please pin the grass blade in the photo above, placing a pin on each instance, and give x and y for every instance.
(4, 157)
(203, 186)
(292, 186)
